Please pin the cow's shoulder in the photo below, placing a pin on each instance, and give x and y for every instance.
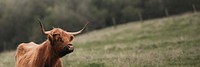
(25, 47)
(30, 45)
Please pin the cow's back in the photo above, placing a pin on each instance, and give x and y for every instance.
(22, 50)
(25, 47)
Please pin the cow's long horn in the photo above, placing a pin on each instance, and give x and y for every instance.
(78, 32)
(42, 28)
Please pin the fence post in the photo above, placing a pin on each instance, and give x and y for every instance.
(114, 22)
(166, 12)
(194, 8)
(4, 46)
(140, 16)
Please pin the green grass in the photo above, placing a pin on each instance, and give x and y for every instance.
(163, 42)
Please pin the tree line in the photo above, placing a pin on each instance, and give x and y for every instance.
(18, 18)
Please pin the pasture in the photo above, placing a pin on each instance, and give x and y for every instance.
(164, 42)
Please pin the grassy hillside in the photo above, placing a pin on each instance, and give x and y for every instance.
(165, 42)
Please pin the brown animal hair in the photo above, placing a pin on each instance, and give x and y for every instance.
(48, 53)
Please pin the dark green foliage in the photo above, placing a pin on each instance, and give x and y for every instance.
(18, 17)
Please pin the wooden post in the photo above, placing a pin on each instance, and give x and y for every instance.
(4, 46)
(114, 22)
(166, 12)
(86, 21)
(194, 8)
(140, 16)
(86, 29)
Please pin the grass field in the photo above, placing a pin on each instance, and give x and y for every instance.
(163, 42)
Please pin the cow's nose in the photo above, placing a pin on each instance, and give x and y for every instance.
(70, 46)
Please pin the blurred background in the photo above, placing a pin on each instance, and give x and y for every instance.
(120, 31)
(18, 17)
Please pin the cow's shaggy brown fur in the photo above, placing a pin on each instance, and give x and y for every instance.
(33, 55)
(48, 53)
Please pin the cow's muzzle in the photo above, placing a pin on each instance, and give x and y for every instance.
(66, 50)
(70, 47)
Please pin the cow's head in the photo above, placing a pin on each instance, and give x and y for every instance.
(60, 39)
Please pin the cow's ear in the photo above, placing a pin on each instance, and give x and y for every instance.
(50, 37)
(53, 38)
(71, 38)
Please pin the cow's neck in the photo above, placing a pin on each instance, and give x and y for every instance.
(50, 58)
